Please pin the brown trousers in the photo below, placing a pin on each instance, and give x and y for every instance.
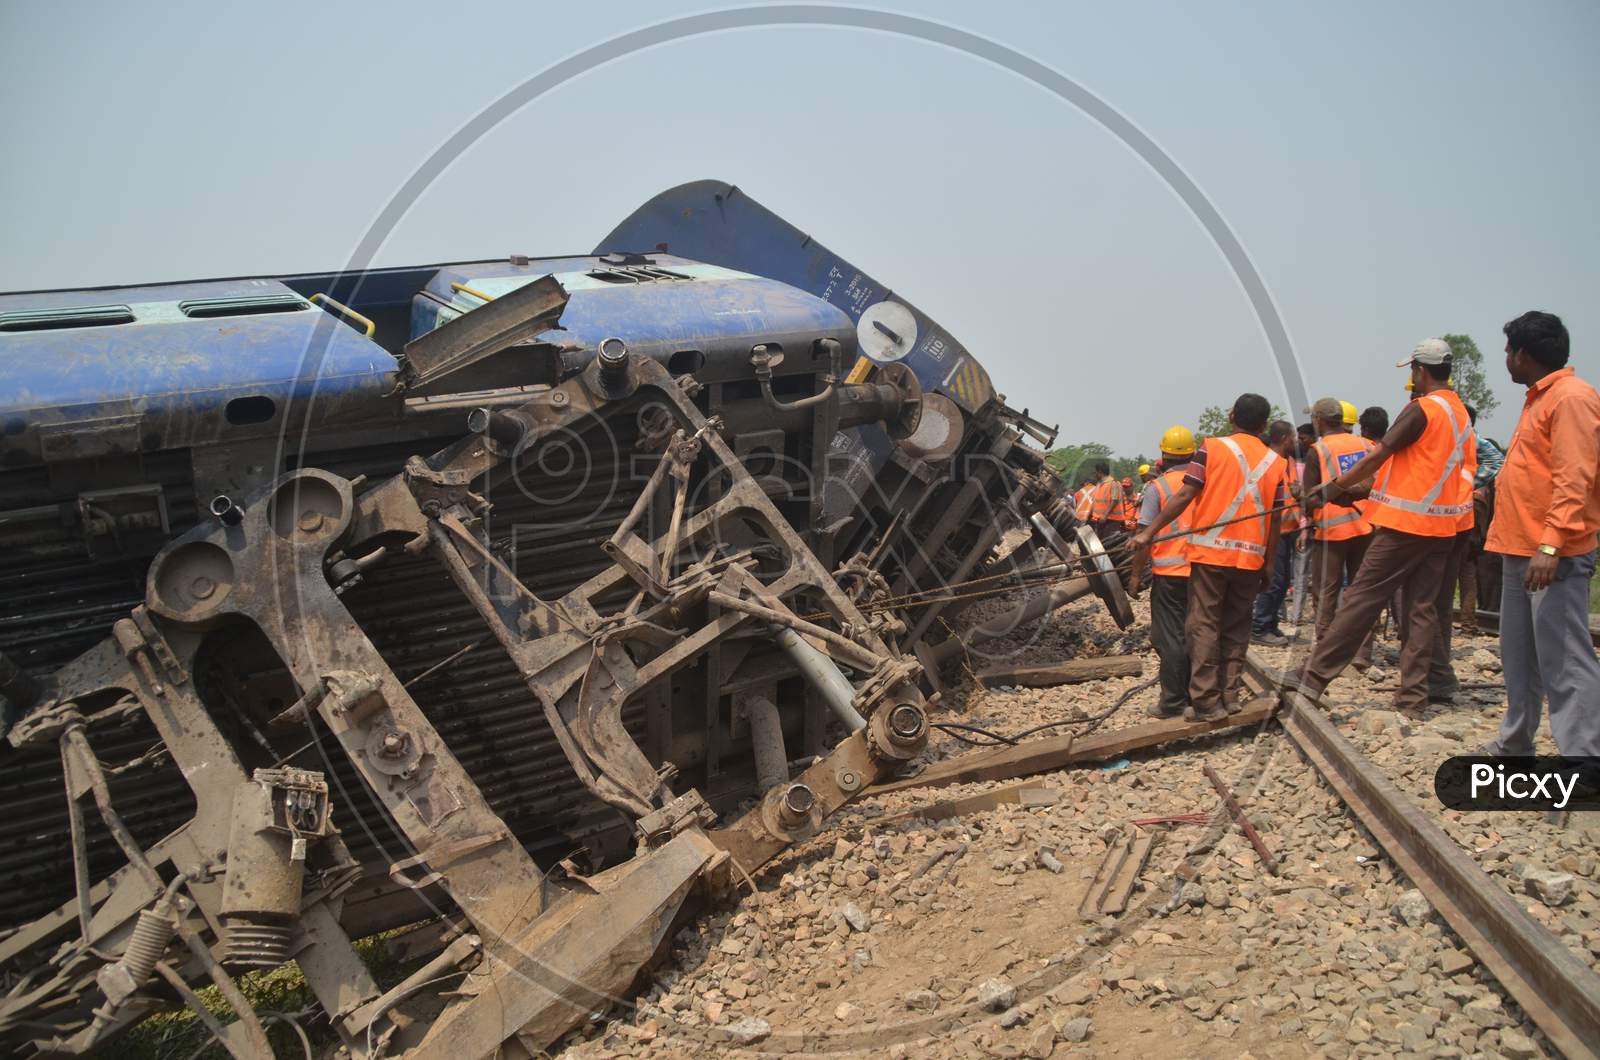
(1411, 564)
(1332, 563)
(1221, 603)
(1469, 588)
(1442, 682)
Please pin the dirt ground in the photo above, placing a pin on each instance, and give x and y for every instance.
(855, 945)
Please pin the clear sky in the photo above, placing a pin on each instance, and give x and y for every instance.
(1394, 170)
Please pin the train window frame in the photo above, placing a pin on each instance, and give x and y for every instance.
(245, 306)
(65, 318)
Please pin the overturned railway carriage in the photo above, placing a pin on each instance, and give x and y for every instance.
(336, 601)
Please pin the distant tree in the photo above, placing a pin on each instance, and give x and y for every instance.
(1128, 467)
(1073, 460)
(1213, 421)
(1471, 384)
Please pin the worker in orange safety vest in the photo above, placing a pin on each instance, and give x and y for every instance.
(1169, 583)
(1103, 509)
(1130, 506)
(1420, 499)
(1340, 534)
(1235, 486)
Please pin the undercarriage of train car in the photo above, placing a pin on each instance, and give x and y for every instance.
(350, 702)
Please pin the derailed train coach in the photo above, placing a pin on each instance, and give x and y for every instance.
(538, 594)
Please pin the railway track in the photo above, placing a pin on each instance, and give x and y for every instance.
(1559, 992)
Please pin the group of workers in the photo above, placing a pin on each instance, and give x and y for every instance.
(1389, 518)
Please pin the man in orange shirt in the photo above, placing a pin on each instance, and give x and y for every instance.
(1547, 512)
(1422, 493)
(1236, 485)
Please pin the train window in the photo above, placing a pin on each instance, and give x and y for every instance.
(202, 308)
(92, 316)
(241, 412)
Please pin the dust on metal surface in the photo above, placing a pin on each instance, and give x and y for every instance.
(495, 629)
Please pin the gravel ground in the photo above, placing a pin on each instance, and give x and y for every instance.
(853, 945)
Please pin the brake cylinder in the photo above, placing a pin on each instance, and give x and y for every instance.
(274, 814)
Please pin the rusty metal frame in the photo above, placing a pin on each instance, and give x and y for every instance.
(549, 950)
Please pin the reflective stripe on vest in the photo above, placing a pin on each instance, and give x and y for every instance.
(1351, 516)
(1107, 502)
(1341, 515)
(1289, 521)
(1251, 489)
(1427, 505)
(1171, 557)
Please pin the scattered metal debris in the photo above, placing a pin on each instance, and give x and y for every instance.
(1242, 819)
(1114, 880)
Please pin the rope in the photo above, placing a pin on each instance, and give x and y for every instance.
(956, 728)
(1053, 574)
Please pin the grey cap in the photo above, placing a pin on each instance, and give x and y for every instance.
(1428, 351)
(1328, 409)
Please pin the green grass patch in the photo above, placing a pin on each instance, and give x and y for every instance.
(179, 1033)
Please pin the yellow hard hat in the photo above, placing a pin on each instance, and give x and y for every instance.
(1144, 469)
(1350, 415)
(1179, 441)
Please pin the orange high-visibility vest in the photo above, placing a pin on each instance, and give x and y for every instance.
(1171, 558)
(1291, 515)
(1243, 477)
(1107, 502)
(1426, 488)
(1130, 511)
(1085, 496)
(1336, 454)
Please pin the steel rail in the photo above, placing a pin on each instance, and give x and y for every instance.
(1559, 992)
